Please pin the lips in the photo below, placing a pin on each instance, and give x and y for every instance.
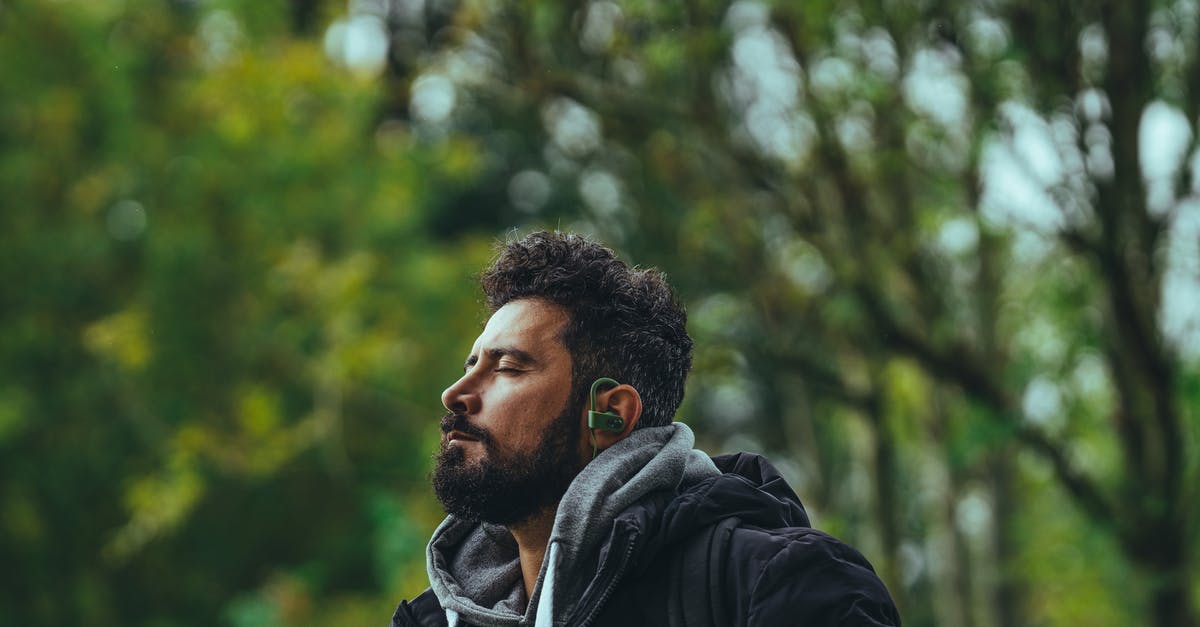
(457, 435)
(456, 427)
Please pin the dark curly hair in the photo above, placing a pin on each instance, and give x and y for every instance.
(623, 323)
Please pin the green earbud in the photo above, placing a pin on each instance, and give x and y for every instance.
(602, 420)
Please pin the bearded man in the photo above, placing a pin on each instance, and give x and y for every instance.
(573, 498)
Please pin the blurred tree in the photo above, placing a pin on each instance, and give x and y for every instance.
(942, 259)
(219, 304)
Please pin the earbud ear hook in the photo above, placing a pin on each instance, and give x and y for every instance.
(602, 420)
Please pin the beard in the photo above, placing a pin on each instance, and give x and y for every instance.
(504, 487)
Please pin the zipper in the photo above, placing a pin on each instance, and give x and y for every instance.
(630, 543)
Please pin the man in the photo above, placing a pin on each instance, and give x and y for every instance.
(556, 520)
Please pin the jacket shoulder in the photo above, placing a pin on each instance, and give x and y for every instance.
(423, 611)
(798, 575)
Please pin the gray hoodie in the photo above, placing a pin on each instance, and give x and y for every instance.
(474, 568)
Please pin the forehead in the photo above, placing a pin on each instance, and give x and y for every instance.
(530, 324)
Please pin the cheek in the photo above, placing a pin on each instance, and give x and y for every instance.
(517, 419)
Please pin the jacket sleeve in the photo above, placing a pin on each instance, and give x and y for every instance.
(816, 580)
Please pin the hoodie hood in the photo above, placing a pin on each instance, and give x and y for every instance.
(474, 568)
(748, 488)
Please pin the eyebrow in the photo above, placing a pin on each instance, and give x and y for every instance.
(504, 351)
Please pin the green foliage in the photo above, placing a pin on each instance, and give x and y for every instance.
(219, 303)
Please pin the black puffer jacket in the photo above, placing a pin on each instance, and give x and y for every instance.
(767, 567)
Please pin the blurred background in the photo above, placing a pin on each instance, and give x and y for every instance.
(941, 261)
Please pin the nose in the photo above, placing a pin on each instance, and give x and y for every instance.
(461, 397)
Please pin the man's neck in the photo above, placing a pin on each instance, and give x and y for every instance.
(532, 536)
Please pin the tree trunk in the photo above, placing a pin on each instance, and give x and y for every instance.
(1008, 595)
(1171, 603)
(887, 507)
(951, 575)
(1160, 555)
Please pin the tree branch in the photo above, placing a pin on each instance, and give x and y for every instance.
(1079, 486)
(820, 374)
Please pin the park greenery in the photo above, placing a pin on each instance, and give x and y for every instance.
(941, 262)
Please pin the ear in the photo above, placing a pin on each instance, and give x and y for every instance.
(624, 401)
